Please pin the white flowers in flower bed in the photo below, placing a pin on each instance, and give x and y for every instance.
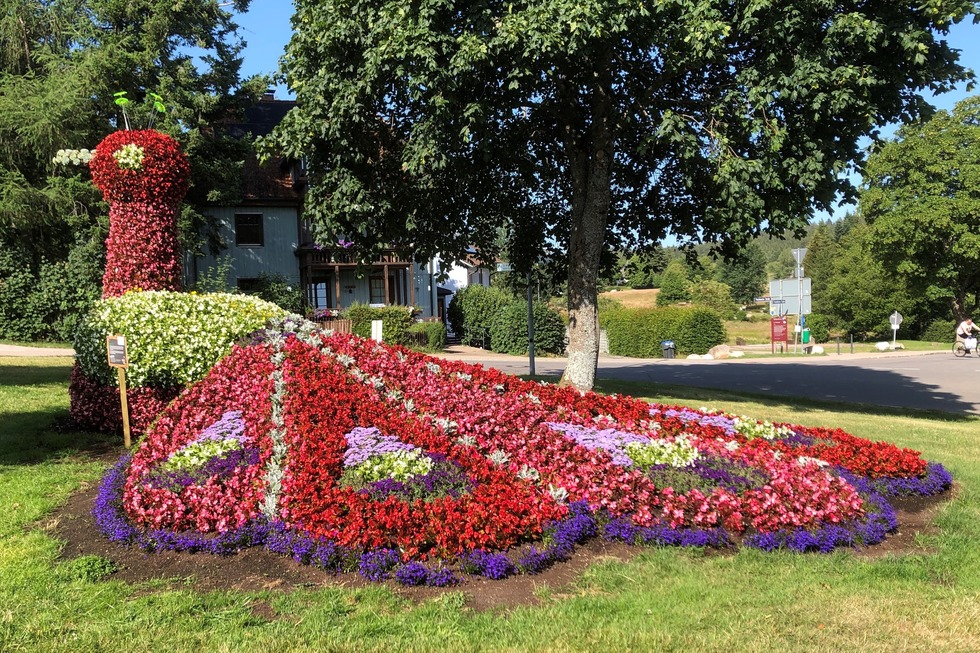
(677, 453)
(751, 428)
(372, 456)
(173, 338)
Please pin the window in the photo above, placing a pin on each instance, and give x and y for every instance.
(248, 285)
(377, 290)
(248, 230)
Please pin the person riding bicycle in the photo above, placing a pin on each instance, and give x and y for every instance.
(965, 329)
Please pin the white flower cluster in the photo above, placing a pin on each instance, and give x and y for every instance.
(174, 338)
(751, 428)
(499, 457)
(73, 157)
(129, 156)
(396, 465)
(679, 453)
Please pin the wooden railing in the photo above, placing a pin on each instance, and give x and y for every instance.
(336, 324)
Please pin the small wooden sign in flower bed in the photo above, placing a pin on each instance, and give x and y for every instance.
(351, 455)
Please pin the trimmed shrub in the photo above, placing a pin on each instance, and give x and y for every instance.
(173, 338)
(819, 326)
(508, 335)
(940, 331)
(638, 332)
(698, 330)
(674, 285)
(433, 334)
(714, 295)
(473, 311)
(395, 321)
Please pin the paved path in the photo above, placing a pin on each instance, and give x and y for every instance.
(17, 350)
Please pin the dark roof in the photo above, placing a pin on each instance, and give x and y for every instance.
(262, 118)
(277, 179)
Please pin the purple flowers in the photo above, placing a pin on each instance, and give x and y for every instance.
(723, 422)
(612, 441)
(367, 442)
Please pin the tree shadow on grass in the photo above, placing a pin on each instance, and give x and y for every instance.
(36, 437)
(32, 375)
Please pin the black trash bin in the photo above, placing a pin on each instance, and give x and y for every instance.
(669, 350)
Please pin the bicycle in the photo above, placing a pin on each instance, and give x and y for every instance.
(965, 347)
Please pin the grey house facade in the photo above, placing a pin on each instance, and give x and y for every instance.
(266, 233)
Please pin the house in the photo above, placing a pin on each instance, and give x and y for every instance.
(266, 233)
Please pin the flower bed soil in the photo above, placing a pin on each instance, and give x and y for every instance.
(257, 569)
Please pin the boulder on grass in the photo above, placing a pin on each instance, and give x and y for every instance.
(720, 352)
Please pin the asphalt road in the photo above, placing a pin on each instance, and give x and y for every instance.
(930, 381)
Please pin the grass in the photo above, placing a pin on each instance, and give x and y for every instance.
(42, 345)
(663, 600)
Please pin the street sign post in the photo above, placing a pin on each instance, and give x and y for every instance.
(895, 319)
(789, 297)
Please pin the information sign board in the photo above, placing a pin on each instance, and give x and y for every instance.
(116, 350)
(779, 331)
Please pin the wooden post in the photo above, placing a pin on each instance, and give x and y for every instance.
(125, 406)
(387, 300)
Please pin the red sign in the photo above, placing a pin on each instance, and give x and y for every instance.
(779, 330)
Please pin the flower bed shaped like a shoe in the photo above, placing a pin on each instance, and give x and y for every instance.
(353, 455)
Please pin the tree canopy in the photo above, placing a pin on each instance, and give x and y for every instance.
(922, 200)
(577, 125)
(61, 64)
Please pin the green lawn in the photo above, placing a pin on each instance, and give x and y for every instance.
(664, 600)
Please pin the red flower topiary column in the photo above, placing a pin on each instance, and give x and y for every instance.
(144, 176)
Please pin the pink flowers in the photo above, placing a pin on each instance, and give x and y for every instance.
(309, 401)
(142, 250)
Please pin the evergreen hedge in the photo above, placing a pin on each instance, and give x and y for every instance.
(395, 321)
(638, 332)
(474, 309)
(508, 333)
(432, 333)
(940, 331)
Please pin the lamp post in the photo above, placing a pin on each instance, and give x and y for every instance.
(530, 325)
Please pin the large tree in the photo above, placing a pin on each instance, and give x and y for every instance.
(428, 124)
(922, 200)
(746, 273)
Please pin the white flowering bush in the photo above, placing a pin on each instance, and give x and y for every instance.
(73, 157)
(173, 339)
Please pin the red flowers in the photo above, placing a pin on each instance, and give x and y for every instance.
(161, 179)
(300, 395)
(144, 176)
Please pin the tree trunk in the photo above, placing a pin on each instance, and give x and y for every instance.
(590, 165)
